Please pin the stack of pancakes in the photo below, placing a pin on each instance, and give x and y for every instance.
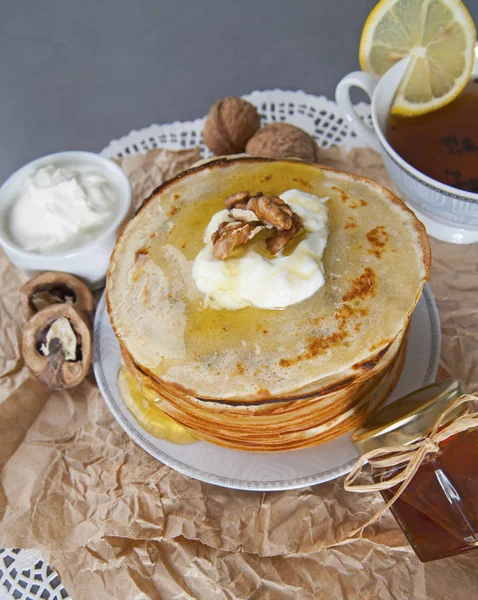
(267, 380)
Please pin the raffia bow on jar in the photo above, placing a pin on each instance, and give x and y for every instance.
(423, 454)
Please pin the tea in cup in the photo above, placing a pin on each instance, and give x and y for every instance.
(431, 158)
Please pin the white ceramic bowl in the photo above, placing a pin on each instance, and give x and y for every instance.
(449, 214)
(90, 261)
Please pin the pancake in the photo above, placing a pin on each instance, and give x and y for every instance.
(376, 261)
(327, 387)
(299, 425)
(331, 402)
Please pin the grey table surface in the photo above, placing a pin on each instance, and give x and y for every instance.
(74, 75)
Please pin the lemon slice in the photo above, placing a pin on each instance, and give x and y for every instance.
(150, 417)
(439, 38)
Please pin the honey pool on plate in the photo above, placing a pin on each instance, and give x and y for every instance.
(442, 144)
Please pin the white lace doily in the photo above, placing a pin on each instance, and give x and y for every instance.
(23, 573)
(316, 115)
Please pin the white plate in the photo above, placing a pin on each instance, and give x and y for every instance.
(264, 471)
(243, 470)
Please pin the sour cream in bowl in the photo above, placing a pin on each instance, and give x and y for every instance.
(62, 212)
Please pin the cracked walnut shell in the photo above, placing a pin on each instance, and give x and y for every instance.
(55, 287)
(230, 123)
(57, 346)
(281, 140)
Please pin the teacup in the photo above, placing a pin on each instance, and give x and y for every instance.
(449, 214)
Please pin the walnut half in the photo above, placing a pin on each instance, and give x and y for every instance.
(57, 345)
(230, 235)
(276, 242)
(271, 209)
(238, 200)
(56, 288)
(251, 214)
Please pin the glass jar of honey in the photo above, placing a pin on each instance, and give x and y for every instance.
(438, 508)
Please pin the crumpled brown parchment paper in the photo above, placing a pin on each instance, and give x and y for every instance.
(117, 524)
(147, 171)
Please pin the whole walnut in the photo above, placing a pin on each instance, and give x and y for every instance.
(281, 140)
(231, 122)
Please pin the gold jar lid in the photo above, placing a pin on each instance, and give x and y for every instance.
(409, 418)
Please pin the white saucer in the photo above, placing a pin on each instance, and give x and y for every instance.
(264, 471)
(445, 233)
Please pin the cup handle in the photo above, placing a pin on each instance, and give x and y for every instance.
(367, 83)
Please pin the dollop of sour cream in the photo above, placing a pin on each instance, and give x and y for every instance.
(62, 208)
(265, 281)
